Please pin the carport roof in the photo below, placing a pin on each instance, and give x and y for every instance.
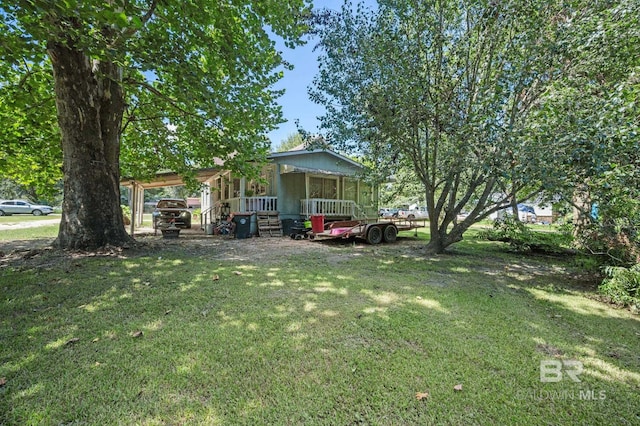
(168, 178)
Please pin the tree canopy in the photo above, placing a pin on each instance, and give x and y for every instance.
(592, 117)
(31, 152)
(445, 88)
(456, 91)
(293, 140)
(137, 86)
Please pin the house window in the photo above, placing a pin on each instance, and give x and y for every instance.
(366, 194)
(326, 188)
(268, 175)
(350, 189)
(225, 189)
(236, 188)
(265, 185)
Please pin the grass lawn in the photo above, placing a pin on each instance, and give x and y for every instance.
(323, 333)
(45, 231)
(13, 227)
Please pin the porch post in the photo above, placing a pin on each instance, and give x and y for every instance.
(278, 187)
(140, 201)
(243, 204)
(133, 202)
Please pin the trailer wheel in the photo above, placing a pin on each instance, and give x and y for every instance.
(390, 234)
(374, 235)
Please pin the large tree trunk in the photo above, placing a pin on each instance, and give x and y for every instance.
(581, 212)
(90, 105)
(440, 239)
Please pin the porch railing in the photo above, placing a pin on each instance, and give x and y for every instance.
(328, 208)
(253, 204)
(206, 217)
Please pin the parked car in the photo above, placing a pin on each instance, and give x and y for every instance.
(414, 212)
(9, 207)
(171, 210)
(388, 212)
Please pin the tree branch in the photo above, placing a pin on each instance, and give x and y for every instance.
(131, 30)
(158, 93)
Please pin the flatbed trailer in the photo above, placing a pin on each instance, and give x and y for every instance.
(373, 232)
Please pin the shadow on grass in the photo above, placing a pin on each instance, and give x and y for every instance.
(332, 334)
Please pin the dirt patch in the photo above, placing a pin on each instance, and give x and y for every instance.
(7, 247)
(38, 253)
(229, 248)
(334, 251)
(549, 350)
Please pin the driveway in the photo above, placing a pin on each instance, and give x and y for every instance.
(28, 224)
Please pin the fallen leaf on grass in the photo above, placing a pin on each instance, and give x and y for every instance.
(95, 340)
(237, 272)
(137, 334)
(71, 341)
(216, 277)
(422, 395)
(3, 381)
(167, 312)
(457, 388)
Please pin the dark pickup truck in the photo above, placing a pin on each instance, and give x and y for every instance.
(171, 210)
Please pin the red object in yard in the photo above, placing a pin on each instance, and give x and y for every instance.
(339, 231)
(317, 223)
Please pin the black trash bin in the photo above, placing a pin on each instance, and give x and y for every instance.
(287, 224)
(243, 225)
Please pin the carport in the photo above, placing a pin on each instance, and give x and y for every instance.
(163, 179)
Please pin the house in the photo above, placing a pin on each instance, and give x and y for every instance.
(293, 185)
(543, 211)
(194, 202)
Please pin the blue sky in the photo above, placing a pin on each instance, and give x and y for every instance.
(295, 103)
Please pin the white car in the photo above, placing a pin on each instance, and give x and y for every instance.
(9, 207)
(414, 212)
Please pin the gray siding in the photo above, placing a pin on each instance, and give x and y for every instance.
(290, 192)
(319, 160)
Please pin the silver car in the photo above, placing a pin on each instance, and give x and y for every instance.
(9, 207)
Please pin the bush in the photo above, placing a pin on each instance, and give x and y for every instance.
(620, 245)
(622, 285)
(521, 238)
(126, 214)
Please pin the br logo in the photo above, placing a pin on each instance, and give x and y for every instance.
(553, 370)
